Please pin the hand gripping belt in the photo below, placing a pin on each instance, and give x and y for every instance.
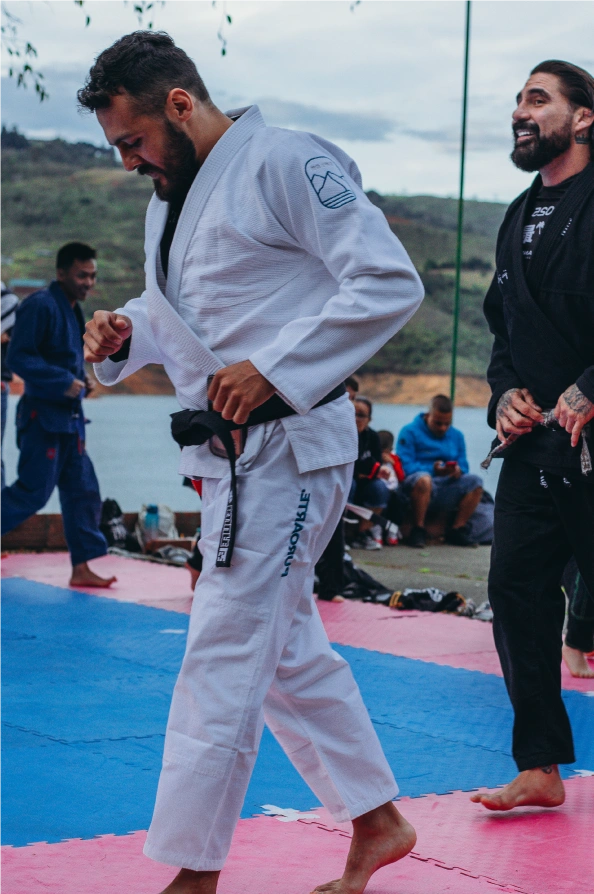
(196, 427)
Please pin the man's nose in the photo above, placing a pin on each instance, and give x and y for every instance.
(520, 113)
(130, 160)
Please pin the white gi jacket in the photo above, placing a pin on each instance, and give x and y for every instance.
(279, 258)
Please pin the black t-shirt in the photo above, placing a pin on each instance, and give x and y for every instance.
(538, 213)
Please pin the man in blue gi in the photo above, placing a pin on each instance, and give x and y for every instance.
(46, 350)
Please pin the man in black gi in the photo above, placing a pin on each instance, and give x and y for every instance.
(540, 309)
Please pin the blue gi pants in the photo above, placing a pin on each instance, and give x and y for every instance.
(47, 460)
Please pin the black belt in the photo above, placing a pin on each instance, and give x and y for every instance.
(195, 427)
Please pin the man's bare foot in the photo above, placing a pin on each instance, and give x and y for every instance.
(187, 881)
(380, 837)
(531, 788)
(82, 576)
(577, 663)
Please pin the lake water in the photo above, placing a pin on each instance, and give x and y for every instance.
(136, 459)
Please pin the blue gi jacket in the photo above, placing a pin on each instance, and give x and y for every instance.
(46, 350)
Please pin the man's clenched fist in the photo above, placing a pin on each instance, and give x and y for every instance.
(238, 389)
(105, 335)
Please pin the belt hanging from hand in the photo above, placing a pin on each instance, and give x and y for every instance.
(549, 420)
(195, 427)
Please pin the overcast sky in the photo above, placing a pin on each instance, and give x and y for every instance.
(381, 79)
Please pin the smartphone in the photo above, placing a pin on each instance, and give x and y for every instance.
(451, 464)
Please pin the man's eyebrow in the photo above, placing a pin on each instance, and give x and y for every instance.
(121, 139)
(534, 91)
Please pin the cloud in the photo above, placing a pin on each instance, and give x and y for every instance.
(367, 126)
(478, 139)
(56, 117)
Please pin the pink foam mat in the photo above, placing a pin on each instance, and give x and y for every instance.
(147, 583)
(439, 638)
(267, 857)
(541, 851)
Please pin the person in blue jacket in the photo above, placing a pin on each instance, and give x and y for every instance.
(433, 455)
(46, 351)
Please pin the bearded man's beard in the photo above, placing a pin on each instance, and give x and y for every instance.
(541, 151)
(180, 167)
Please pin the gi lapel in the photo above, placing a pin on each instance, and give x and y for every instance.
(549, 348)
(206, 179)
(192, 359)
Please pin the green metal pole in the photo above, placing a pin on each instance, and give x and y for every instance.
(460, 209)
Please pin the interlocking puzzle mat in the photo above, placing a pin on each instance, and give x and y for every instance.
(87, 683)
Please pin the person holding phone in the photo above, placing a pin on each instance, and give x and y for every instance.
(433, 455)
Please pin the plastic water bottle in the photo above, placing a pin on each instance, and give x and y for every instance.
(151, 522)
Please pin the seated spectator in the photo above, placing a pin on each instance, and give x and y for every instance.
(433, 455)
(369, 487)
(390, 460)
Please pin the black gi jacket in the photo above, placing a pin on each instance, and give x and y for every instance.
(543, 319)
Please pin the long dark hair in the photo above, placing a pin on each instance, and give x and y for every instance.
(577, 85)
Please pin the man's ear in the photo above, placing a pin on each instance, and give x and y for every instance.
(583, 125)
(179, 105)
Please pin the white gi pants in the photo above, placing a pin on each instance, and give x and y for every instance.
(257, 651)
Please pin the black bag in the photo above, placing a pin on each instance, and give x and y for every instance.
(360, 585)
(114, 530)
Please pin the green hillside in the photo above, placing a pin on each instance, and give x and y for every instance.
(53, 192)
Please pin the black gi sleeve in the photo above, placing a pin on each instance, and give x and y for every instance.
(501, 374)
(122, 353)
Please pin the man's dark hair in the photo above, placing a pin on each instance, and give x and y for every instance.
(367, 402)
(386, 439)
(74, 251)
(351, 382)
(441, 404)
(577, 85)
(145, 64)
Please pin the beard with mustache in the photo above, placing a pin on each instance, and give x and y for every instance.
(542, 150)
(180, 167)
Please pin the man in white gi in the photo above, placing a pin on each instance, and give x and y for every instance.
(267, 267)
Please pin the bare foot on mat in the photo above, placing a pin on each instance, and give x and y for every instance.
(187, 881)
(380, 837)
(531, 788)
(82, 576)
(577, 663)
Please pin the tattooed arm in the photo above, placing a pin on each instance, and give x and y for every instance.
(517, 413)
(573, 411)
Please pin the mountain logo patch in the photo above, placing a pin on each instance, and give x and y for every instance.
(328, 181)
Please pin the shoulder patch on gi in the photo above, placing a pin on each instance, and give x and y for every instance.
(329, 182)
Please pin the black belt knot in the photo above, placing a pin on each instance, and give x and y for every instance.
(191, 428)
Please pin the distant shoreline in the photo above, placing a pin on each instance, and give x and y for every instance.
(385, 388)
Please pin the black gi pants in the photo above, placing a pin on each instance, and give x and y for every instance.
(580, 612)
(330, 566)
(540, 522)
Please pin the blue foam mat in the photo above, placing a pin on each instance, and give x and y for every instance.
(87, 684)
